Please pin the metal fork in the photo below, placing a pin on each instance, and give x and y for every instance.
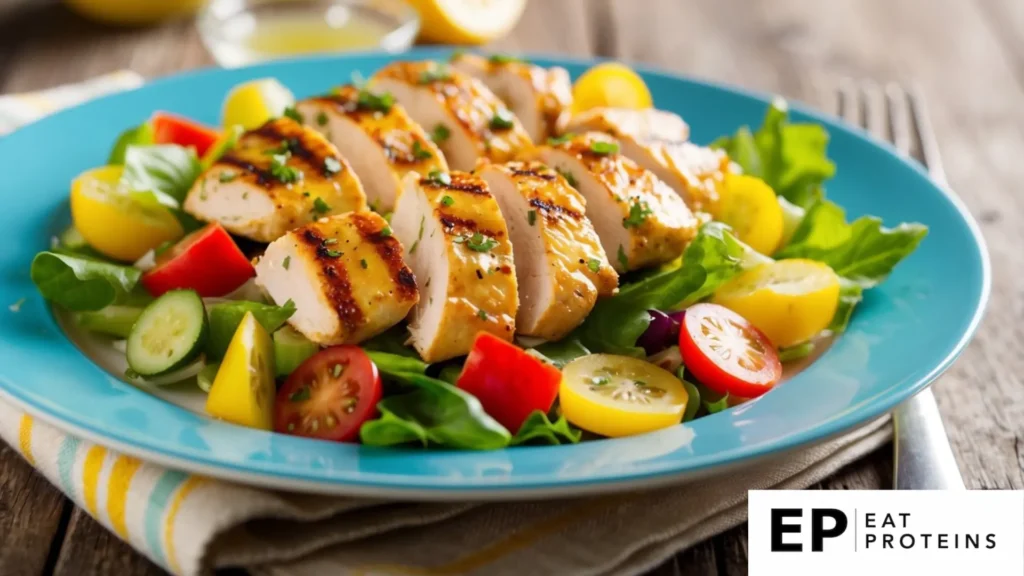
(922, 457)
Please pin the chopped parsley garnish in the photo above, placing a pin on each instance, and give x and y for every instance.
(286, 262)
(638, 213)
(423, 220)
(386, 231)
(377, 102)
(531, 217)
(300, 395)
(440, 178)
(331, 165)
(306, 193)
(321, 207)
(622, 258)
(447, 200)
(332, 253)
(480, 243)
(440, 133)
(561, 139)
(439, 73)
(228, 175)
(245, 195)
(481, 314)
(282, 172)
(594, 264)
(503, 59)
(336, 370)
(321, 119)
(502, 120)
(600, 381)
(330, 241)
(364, 264)
(292, 113)
(568, 177)
(284, 148)
(419, 152)
(604, 148)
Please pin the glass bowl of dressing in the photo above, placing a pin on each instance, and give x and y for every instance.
(241, 32)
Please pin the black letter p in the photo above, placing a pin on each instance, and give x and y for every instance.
(818, 532)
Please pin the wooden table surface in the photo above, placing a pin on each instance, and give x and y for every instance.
(967, 57)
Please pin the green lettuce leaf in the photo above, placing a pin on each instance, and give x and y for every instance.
(141, 135)
(394, 364)
(789, 157)
(616, 323)
(226, 316)
(562, 352)
(434, 413)
(166, 170)
(797, 352)
(81, 284)
(392, 341)
(538, 429)
(850, 294)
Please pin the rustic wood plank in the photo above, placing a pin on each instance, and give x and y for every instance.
(89, 548)
(30, 516)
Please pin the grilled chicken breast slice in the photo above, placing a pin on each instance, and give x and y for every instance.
(561, 268)
(657, 141)
(277, 177)
(470, 123)
(460, 251)
(540, 97)
(345, 274)
(640, 220)
(377, 136)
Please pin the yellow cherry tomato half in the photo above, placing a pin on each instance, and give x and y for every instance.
(251, 104)
(791, 301)
(610, 84)
(749, 206)
(113, 221)
(620, 396)
(243, 390)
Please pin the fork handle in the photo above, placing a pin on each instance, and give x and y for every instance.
(923, 457)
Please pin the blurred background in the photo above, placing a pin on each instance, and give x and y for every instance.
(966, 57)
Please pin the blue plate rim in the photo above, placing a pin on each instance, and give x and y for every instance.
(541, 485)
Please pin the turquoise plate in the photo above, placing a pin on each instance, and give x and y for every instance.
(904, 335)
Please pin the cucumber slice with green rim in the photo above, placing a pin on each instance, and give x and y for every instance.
(113, 320)
(291, 349)
(169, 334)
(206, 376)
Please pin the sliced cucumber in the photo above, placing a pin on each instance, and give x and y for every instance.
(169, 333)
(113, 320)
(291, 349)
(206, 376)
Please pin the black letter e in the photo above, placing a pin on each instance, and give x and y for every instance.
(779, 528)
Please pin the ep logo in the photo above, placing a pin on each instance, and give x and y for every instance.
(821, 523)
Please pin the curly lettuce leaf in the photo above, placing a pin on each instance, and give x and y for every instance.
(82, 284)
(226, 316)
(539, 429)
(166, 170)
(434, 413)
(789, 157)
(616, 323)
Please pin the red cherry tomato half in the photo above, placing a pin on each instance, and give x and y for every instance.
(207, 261)
(509, 383)
(329, 396)
(170, 129)
(727, 353)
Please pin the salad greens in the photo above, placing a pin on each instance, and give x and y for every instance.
(539, 429)
(789, 157)
(166, 170)
(82, 284)
(616, 323)
(226, 316)
(141, 135)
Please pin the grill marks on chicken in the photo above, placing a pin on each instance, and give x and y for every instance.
(640, 220)
(540, 97)
(561, 268)
(346, 275)
(476, 126)
(377, 136)
(277, 178)
(460, 251)
(657, 141)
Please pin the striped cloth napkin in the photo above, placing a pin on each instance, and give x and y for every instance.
(190, 524)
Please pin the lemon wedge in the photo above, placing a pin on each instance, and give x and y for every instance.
(610, 84)
(467, 21)
(252, 103)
